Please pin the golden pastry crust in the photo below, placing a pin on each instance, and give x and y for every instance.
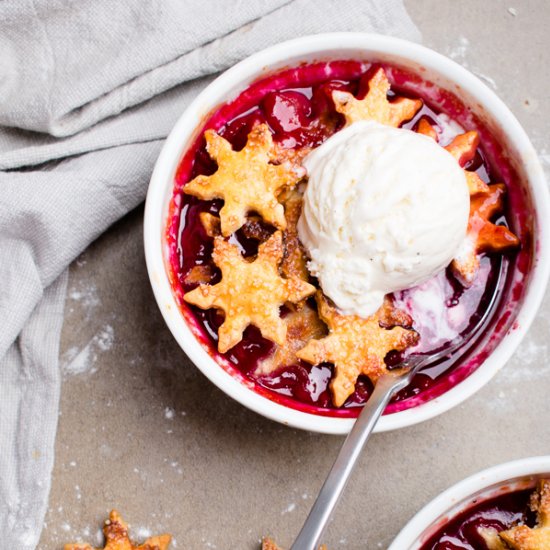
(355, 346)
(281, 154)
(116, 538)
(522, 537)
(375, 105)
(211, 224)
(294, 260)
(199, 275)
(250, 292)
(246, 180)
(302, 325)
(255, 229)
(482, 235)
(426, 129)
(486, 201)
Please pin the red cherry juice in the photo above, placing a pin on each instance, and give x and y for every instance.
(296, 104)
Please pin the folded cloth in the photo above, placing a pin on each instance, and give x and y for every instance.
(89, 89)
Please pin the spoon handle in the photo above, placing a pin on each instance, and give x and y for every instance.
(309, 536)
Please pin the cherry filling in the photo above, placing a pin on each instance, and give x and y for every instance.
(297, 106)
(499, 513)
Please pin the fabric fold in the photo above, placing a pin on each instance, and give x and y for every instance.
(29, 401)
(93, 59)
(182, 78)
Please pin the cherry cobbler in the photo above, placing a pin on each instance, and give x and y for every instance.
(327, 222)
(519, 520)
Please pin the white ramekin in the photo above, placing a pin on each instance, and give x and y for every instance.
(434, 67)
(493, 482)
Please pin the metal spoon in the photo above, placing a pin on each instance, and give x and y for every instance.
(386, 386)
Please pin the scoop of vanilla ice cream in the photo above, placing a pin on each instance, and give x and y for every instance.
(384, 210)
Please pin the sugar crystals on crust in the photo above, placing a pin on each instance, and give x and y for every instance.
(246, 180)
(250, 292)
(356, 346)
(375, 105)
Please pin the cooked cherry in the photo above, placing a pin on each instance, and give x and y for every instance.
(236, 131)
(286, 111)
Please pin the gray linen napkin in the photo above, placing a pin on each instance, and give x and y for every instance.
(88, 89)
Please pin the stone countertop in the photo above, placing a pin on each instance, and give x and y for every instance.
(142, 430)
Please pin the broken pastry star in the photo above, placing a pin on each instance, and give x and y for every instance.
(250, 292)
(522, 537)
(486, 201)
(356, 346)
(463, 148)
(375, 105)
(116, 538)
(294, 259)
(302, 325)
(246, 180)
(482, 235)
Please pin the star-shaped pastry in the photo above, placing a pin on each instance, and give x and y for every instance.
(482, 235)
(356, 345)
(246, 180)
(486, 201)
(116, 538)
(463, 149)
(250, 292)
(522, 537)
(375, 105)
(294, 263)
(302, 325)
